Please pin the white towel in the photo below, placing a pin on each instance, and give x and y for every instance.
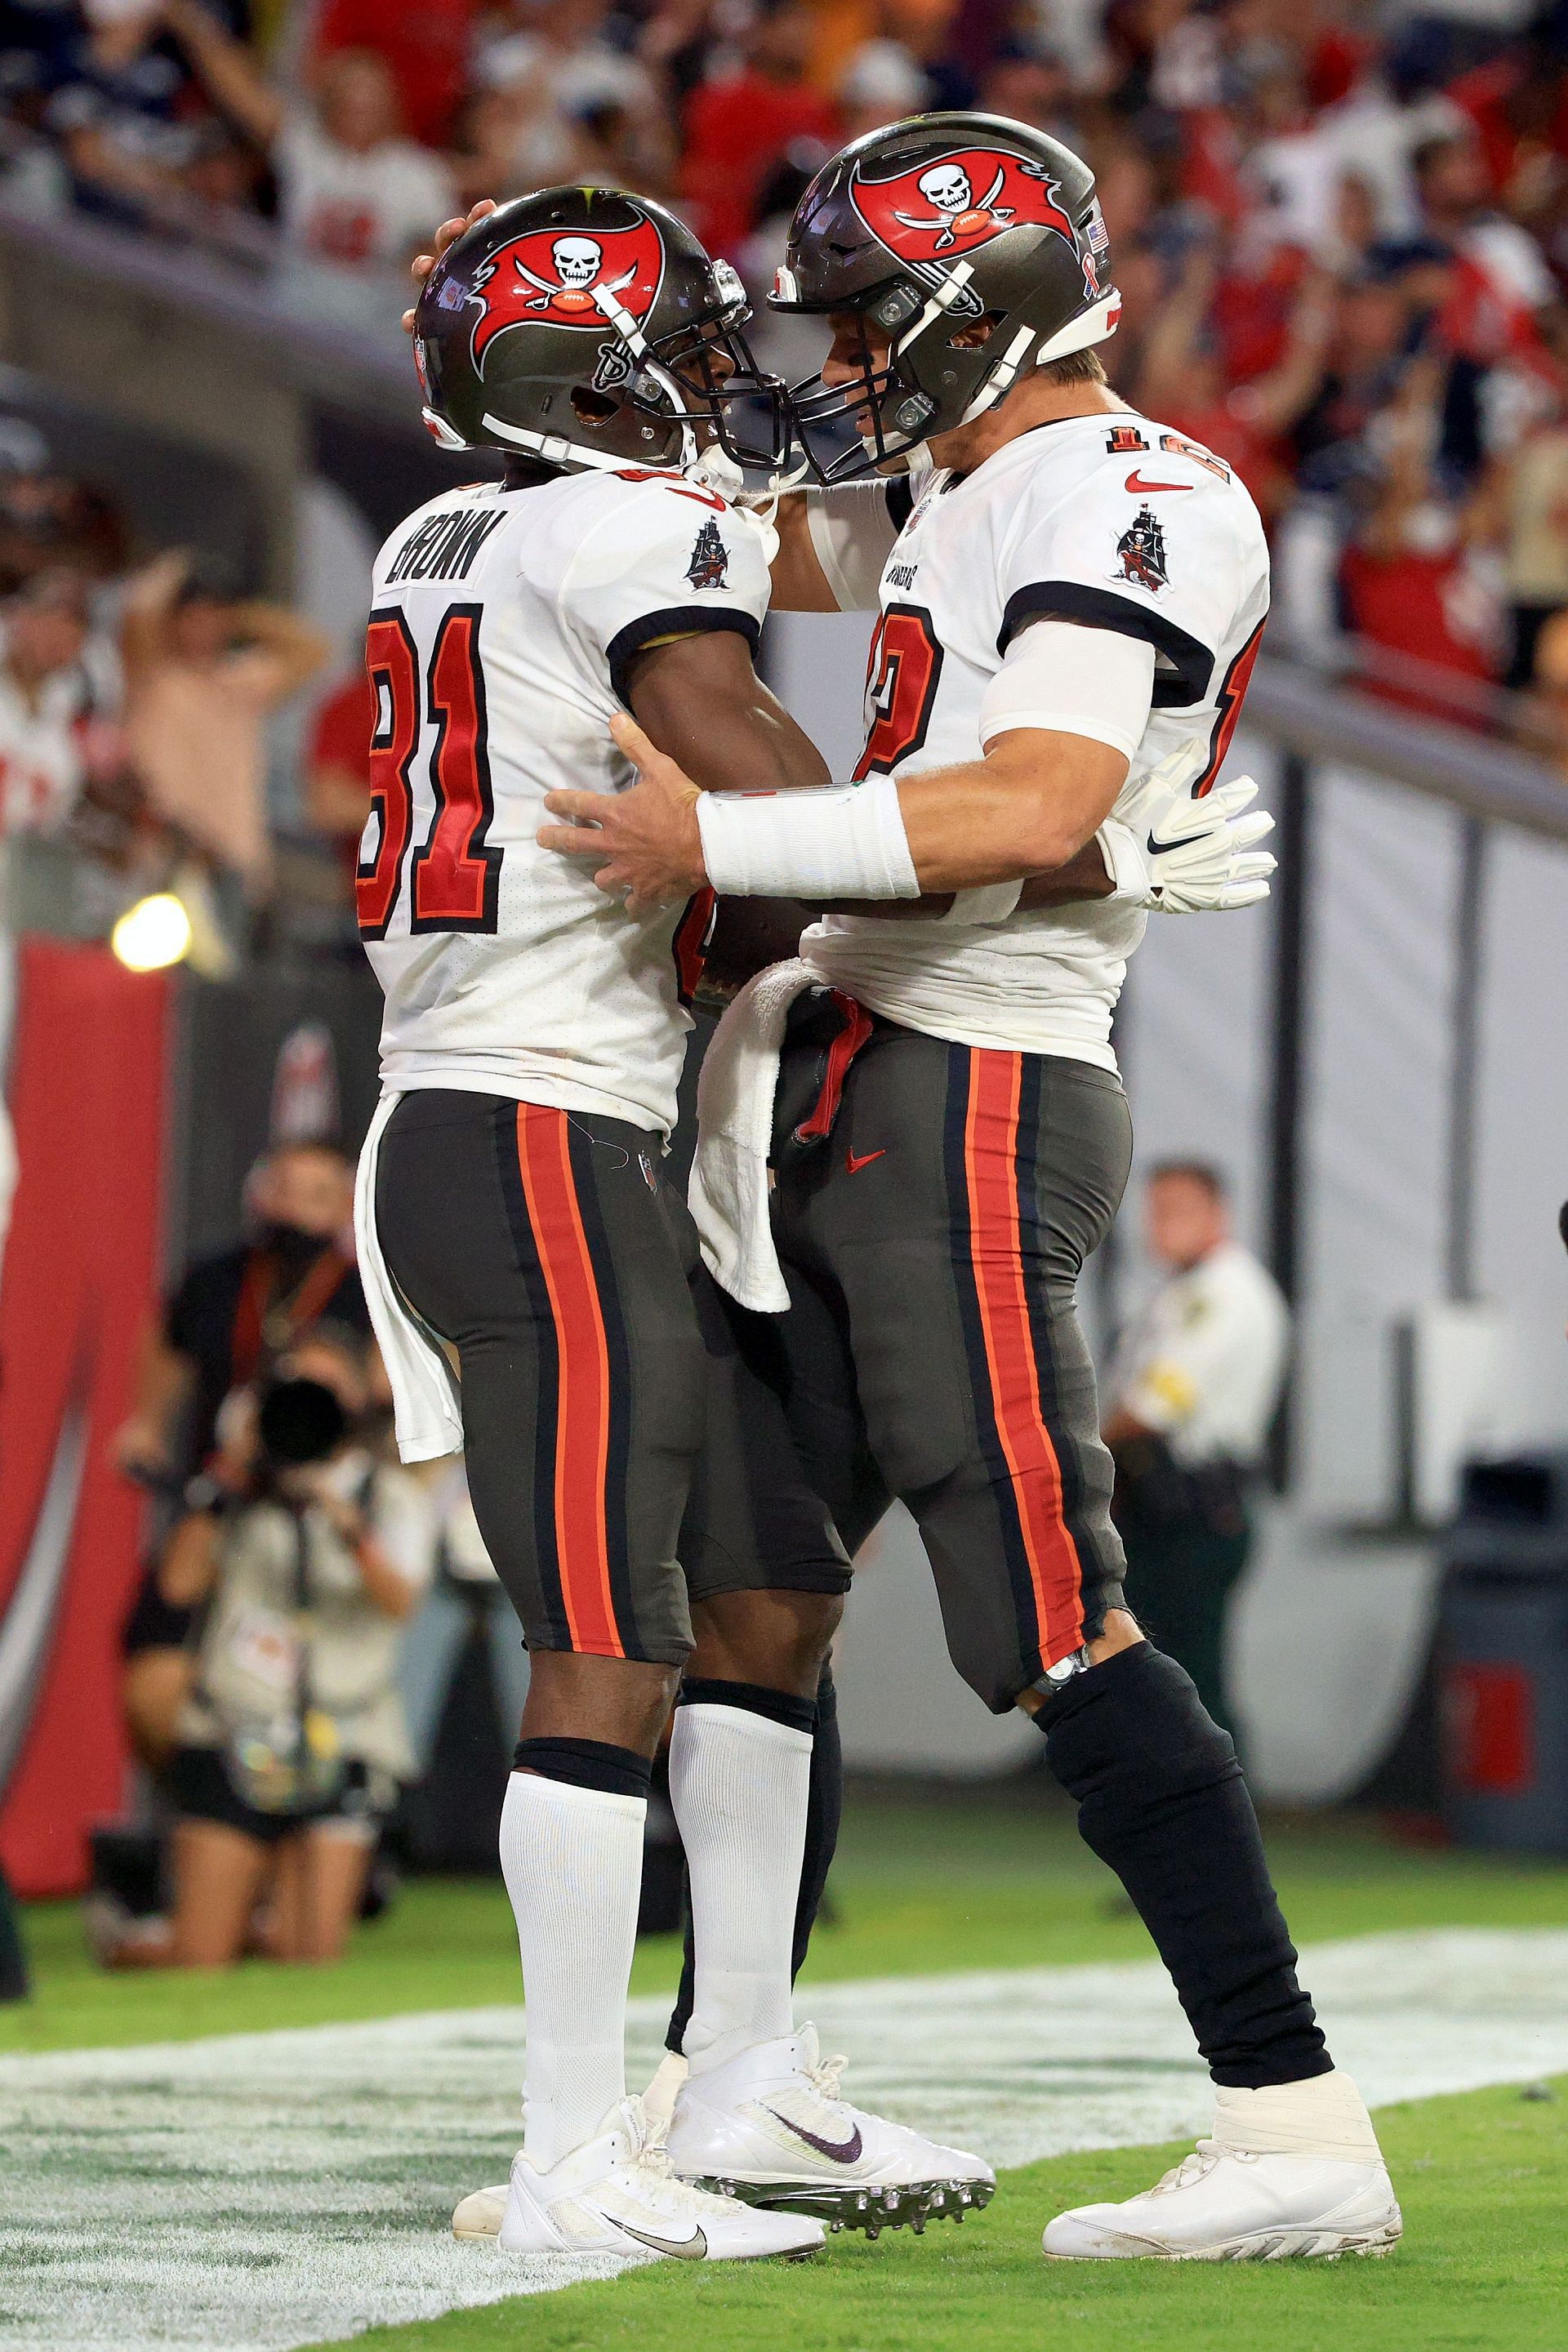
(424, 1393)
(728, 1188)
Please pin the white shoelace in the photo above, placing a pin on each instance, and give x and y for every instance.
(825, 2076)
(1192, 2168)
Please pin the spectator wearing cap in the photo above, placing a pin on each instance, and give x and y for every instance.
(204, 668)
(1194, 1391)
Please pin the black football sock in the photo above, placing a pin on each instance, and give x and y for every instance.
(824, 1808)
(1162, 1800)
(824, 1812)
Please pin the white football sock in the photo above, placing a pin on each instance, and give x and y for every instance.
(1324, 2116)
(739, 1783)
(571, 1859)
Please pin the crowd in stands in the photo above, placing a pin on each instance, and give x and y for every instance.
(1340, 227)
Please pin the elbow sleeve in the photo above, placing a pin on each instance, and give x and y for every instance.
(1069, 681)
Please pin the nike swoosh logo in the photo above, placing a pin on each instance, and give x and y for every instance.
(685, 2250)
(1141, 489)
(844, 2152)
(853, 1162)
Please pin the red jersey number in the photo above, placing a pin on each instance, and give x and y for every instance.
(456, 875)
(901, 680)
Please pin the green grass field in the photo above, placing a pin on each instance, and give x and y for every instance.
(921, 1886)
(1484, 2180)
(985, 1880)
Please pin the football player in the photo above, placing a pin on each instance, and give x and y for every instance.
(515, 1224)
(1068, 592)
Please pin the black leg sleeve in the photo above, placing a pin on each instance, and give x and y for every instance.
(824, 1808)
(1162, 1800)
(824, 1811)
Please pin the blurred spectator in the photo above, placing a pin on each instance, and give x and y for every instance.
(138, 88)
(1417, 582)
(337, 772)
(47, 702)
(1549, 680)
(351, 188)
(425, 46)
(234, 1312)
(879, 84)
(1527, 504)
(1193, 1395)
(290, 1738)
(204, 667)
(738, 128)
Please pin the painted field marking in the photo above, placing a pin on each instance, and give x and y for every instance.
(263, 2191)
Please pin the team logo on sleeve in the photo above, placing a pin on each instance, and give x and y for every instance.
(710, 565)
(938, 211)
(556, 278)
(1140, 553)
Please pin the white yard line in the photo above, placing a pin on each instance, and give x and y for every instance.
(268, 2190)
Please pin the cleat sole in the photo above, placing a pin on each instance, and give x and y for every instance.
(870, 2210)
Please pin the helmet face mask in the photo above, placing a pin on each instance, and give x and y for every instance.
(968, 249)
(587, 329)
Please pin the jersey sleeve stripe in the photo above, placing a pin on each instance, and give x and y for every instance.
(675, 621)
(1101, 608)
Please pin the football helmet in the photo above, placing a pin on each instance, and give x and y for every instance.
(972, 247)
(589, 328)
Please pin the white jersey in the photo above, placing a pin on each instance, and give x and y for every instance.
(504, 625)
(1108, 520)
(1204, 1363)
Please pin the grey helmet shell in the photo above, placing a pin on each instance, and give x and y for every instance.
(580, 325)
(926, 229)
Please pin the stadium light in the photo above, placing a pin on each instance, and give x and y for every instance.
(152, 934)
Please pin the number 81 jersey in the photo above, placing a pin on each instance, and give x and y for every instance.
(1108, 521)
(503, 629)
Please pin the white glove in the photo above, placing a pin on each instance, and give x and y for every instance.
(1181, 856)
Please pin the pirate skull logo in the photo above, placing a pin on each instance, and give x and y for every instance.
(950, 188)
(569, 278)
(969, 196)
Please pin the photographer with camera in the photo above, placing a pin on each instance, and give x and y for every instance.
(291, 1741)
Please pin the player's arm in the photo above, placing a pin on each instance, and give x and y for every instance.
(699, 699)
(834, 544)
(1056, 757)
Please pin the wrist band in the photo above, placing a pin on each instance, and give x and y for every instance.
(846, 841)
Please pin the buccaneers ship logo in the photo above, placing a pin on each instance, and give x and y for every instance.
(1141, 550)
(963, 200)
(568, 277)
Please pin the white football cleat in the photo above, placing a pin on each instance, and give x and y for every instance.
(618, 2195)
(1228, 2205)
(770, 2129)
(483, 2211)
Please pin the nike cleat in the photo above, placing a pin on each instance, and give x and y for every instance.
(618, 2195)
(1226, 2205)
(770, 2129)
(483, 2211)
